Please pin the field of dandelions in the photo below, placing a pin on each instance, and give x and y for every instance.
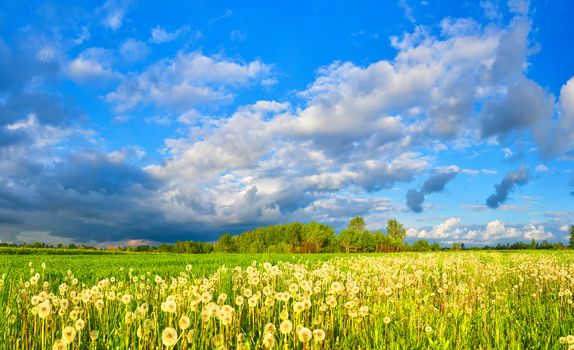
(466, 300)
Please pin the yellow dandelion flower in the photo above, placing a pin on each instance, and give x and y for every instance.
(68, 334)
(44, 309)
(286, 327)
(304, 335)
(94, 335)
(126, 299)
(59, 345)
(169, 306)
(79, 324)
(298, 307)
(319, 335)
(184, 322)
(269, 341)
(169, 336)
(252, 302)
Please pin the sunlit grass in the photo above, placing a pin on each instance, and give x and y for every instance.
(467, 300)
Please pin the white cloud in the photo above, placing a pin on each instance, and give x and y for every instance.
(559, 137)
(92, 65)
(447, 229)
(452, 230)
(356, 131)
(532, 231)
(185, 81)
(134, 50)
(159, 35)
(114, 14)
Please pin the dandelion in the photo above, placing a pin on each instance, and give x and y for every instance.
(68, 334)
(570, 339)
(79, 324)
(387, 320)
(286, 327)
(59, 345)
(319, 335)
(304, 334)
(184, 322)
(94, 335)
(169, 336)
(269, 328)
(298, 307)
(428, 329)
(169, 306)
(126, 299)
(252, 301)
(44, 309)
(269, 341)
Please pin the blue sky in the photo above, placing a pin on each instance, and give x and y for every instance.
(128, 122)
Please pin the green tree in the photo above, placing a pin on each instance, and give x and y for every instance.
(319, 235)
(571, 236)
(421, 246)
(396, 230)
(226, 244)
(366, 241)
(348, 239)
(357, 223)
(456, 246)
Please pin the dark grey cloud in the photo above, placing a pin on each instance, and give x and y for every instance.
(524, 105)
(87, 172)
(519, 177)
(415, 200)
(436, 183)
(512, 52)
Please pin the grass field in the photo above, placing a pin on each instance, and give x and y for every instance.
(447, 300)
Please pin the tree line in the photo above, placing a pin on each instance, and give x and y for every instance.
(310, 237)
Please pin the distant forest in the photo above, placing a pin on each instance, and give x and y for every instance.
(308, 238)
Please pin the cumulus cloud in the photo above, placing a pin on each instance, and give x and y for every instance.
(187, 80)
(495, 231)
(519, 177)
(436, 183)
(524, 105)
(447, 229)
(559, 137)
(92, 65)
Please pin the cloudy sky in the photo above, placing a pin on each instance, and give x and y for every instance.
(125, 121)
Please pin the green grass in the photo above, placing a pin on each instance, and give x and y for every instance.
(471, 300)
